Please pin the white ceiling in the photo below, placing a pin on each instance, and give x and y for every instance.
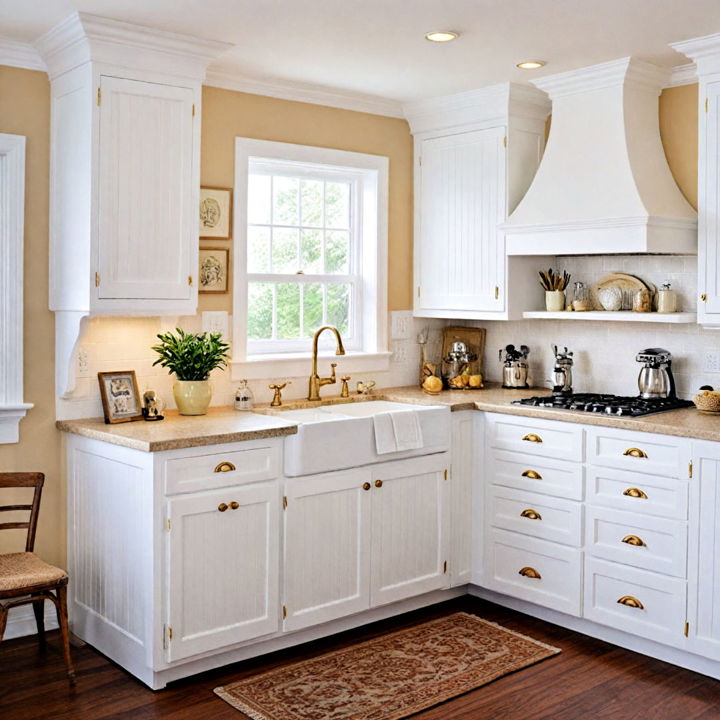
(376, 47)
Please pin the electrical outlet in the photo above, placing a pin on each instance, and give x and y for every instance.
(711, 362)
(83, 362)
(401, 324)
(399, 352)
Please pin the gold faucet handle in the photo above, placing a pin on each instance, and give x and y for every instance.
(277, 397)
(332, 372)
(344, 390)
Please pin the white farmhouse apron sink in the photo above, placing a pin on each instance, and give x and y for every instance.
(335, 437)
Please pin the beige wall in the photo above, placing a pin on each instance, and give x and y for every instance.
(227, 115)
(24, 109)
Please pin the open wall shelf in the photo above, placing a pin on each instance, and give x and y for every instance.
(618, 316)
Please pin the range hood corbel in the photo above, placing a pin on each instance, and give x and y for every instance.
(604, 185)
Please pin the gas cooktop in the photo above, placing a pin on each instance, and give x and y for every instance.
(606, 404)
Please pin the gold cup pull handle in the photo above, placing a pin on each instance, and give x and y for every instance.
(224, 467)
(532, 437)
(531, 514)
(635, 452)
(222, 507)
(630, 601)
(635, 493)
(532, 474)
(366, 486)
(530, 572)
(634, 540)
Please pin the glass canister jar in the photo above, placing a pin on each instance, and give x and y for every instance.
(667, 299)
(581, 298)
(642, 301)
(244, 397)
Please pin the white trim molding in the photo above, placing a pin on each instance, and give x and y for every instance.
(683, 75)
(12, 212)
(20, 54)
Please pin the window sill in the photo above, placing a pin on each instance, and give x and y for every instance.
(10, 417)
(258, 367)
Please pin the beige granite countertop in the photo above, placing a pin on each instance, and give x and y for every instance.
(220, 425)
(224, 425)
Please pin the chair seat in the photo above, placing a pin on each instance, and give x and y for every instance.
(26, 569)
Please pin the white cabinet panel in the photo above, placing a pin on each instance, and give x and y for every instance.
(408, 528)
(709, 205)
(461, 259)
(327, 547)
(223, 568)
(461, 484)
(147, 220)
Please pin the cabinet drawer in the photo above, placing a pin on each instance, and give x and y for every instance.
(661, 601)
(639, 452)
(638, 492)
(543, 438)
(540, 475)
(541, 516)
(221, 469)
(534, 570)
(645, 542)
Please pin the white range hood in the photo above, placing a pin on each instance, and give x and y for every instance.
(604, 185)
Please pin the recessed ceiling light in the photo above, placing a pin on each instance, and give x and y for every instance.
(530, 64)
(441, 36)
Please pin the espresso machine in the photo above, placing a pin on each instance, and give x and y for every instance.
(515, 367)
(562, 372)
(656, 379)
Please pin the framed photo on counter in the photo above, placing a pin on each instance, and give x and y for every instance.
(120, 396)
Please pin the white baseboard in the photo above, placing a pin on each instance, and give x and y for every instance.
(21, 621)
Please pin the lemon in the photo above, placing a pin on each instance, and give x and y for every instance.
(432, 384)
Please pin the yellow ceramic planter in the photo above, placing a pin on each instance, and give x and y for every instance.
(192, 397)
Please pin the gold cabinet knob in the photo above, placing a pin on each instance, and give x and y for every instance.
(630, 601)
(634, 540)
(366, 486)
(532, 437)
(234, 505)
(532, 475)
(531, 514)
(222, 507)
(635, 452)
(635, 493)
(378, 483)
(530, 572)
(224, 467)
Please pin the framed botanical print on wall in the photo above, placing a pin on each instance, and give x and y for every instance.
(215, 213)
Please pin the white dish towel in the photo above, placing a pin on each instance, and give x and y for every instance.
(397, 432)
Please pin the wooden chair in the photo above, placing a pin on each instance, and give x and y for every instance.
(24, 578)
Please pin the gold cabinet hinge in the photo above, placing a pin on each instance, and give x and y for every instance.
(97, 279)
(690, 469)
(169, 524)
(193, 110)
(686, 629)
(418, 291)
(284, 611)
(445, 474)
(167, 636)
(707, 104)
(190, 280)
(169, 633)
(505, 141)
(420, 161)
(285, 503)
(99, 98)
(444, 567)
(497, 292)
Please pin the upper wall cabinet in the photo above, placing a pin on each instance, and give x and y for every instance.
(125, 157)
(475, 156)
(705, 51)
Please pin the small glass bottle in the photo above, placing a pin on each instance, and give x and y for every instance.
(244, 397)
(581, 301)
(667, 299)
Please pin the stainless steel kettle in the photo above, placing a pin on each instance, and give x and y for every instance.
(656, 379)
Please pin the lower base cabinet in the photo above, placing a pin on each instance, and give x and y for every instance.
(364, 538)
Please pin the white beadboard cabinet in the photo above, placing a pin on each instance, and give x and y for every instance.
(124, 173)
(475, 156)
(705, 52)
(362, 538)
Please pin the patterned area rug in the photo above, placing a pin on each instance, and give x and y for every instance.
(390, 677)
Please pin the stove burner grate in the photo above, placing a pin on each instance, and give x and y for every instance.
(633, 406)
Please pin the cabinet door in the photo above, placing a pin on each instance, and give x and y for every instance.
(461, 254)
(408, 528)
(704, 551)
(461, 483)
(327, 552)
(223, 568)
(147, 217)
(709, 206)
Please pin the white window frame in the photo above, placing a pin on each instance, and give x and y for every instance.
(370, 175)
(12, 210)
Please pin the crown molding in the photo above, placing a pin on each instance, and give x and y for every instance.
(683, 75)
(228, 78)
(82, 38)
(704, 51)
(20, 55)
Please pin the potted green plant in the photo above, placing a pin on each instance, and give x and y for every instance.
(191, 357)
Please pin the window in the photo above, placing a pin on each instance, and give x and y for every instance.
(310, 229)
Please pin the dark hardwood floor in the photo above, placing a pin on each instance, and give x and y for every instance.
(589, 679)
